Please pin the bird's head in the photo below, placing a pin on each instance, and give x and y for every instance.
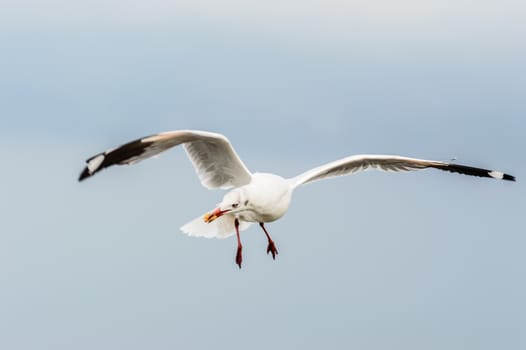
(233, 202)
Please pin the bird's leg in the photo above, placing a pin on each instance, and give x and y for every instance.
(271, 248)
(239, 256)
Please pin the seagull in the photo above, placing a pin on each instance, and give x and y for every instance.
(253, 197)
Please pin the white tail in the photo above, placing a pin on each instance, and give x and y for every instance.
(221, 227)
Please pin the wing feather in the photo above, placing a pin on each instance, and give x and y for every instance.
(212, 155)
(353, 164)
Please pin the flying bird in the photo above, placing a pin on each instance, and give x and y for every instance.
(254, 197)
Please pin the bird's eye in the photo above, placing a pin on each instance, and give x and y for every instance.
(235, 205)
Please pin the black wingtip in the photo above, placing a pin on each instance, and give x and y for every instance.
(94, 165)
(472, 171)
(84, 174)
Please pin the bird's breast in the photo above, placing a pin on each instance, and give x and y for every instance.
(269, 197)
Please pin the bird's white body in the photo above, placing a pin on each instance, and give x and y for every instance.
(257, 197)
(268, 198)
(265, 198)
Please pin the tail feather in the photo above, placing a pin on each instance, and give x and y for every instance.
(221, 227)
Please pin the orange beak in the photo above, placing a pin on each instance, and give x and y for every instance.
(209, 217)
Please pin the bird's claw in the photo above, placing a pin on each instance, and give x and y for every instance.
(239, 256)
(271, 248)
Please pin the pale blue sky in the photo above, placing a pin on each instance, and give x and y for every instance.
(424, 260)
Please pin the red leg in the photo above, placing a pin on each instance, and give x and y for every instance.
(239, 256)
(271, 248)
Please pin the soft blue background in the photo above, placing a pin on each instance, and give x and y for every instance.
(423, 260)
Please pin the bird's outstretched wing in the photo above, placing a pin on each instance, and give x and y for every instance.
(215, 160)
(362, 162)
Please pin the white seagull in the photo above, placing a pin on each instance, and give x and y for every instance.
(258, 197)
